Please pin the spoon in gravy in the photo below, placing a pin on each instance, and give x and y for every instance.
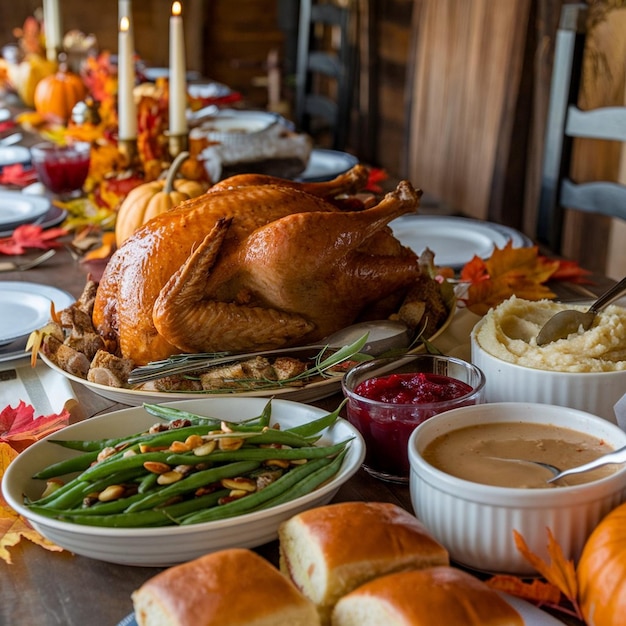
(617, 456)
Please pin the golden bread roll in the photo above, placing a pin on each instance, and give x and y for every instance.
(233, 587)
(329, 551)
(433, 596)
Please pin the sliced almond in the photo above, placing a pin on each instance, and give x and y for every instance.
(156, 467)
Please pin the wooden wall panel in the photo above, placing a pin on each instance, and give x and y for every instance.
(393, 34)
(151, 23)
(467, 65)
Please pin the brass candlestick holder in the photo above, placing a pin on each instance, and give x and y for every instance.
(177, 143)
(128, 147)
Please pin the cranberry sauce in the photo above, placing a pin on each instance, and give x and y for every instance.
(408, 400)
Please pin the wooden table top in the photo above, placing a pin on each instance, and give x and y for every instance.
(47, 588)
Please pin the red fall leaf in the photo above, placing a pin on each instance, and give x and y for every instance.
(17, 175)
(19, 428)
(31, 236)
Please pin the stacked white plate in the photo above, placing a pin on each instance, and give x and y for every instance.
(17, 208)
(455, 240)
(25, 307)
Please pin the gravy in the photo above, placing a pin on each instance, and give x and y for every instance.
(479, 454)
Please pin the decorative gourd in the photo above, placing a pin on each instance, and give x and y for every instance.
(151, 199)
(25, 76)
(601, 572)
(56, 95)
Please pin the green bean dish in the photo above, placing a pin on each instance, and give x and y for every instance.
(188, 469)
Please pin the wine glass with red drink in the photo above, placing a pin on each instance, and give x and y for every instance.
(62, 169)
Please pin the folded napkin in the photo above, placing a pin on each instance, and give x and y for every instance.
(620, 412)
(46, 390)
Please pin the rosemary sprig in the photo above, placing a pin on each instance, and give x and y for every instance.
(321, 367)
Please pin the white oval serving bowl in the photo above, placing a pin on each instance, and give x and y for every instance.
(594, 392)
(170, 545)
(475, 522)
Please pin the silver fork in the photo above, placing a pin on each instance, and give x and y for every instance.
(12, 266)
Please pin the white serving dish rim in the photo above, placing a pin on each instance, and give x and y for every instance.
(510, 497)
(475, 344)
(350, 465)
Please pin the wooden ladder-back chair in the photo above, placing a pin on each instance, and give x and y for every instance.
(566, 122)
(325, 71)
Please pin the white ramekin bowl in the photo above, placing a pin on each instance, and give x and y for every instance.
(594, 392)
(475, 522)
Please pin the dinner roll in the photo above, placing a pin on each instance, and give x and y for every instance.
(328, 551)
(433, 596)
(234, 587)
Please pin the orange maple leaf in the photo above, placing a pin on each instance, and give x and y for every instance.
(509, 271)
(14, 527)
(536, 591)
(106, 248)
(560, 572)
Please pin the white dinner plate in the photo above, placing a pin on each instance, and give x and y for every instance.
(231, 126)
(531, 615)
(326, 165)
(5, 115)
(10, 155)
(454, 240)
(21, 313)
(53, 217)
(208, 90)
(36, 294)
(18, 208)
(154, 73)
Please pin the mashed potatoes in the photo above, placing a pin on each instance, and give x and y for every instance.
(509, 332)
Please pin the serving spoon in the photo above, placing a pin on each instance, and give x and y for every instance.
(617, 456)
(564, 323)
(383, 336)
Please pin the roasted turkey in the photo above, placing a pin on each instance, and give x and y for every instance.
(255, 263)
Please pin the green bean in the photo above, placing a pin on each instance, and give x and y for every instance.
(258, 424)
(311, 428)
(74, 496)
(192, 482)
(152, 518)
(120, 463)
(148, 482)
(76, 463)
(172, 413)
(90, 445)
(307, 484)
(252, 501)
(256, 454)
(100, 508)
(166, 437)
(165, 516)
(67, 496)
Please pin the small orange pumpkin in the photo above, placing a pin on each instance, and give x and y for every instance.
(601, 572)
(56, 95)
(151, 199)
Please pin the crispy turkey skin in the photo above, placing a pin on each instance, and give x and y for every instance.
(254, 264)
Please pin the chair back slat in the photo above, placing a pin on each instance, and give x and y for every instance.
(325, 71)
(602, 197)
(566, 122)
(605, 123)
